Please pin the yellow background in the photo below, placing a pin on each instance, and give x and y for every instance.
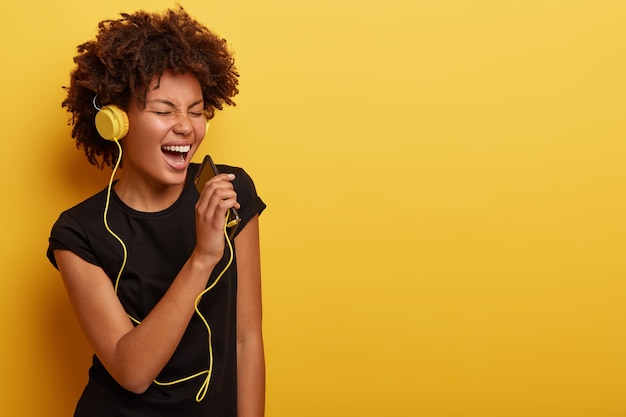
(445, 179)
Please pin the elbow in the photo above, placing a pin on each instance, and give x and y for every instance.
(131, 374)
(136, 387)
(137, 384)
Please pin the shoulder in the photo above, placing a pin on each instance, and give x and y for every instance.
(93, 203)
(85, 210)
(74, 226)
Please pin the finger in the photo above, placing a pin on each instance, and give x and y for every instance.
(216, 201)
(219, 178)
(222, 181)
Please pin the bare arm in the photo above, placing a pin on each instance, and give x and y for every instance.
(250, 353)
(135, 355)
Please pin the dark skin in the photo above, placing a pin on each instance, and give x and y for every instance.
(169, 73)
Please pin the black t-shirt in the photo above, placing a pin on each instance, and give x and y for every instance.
(158, 244)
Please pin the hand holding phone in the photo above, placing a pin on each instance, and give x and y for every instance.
(207, 171)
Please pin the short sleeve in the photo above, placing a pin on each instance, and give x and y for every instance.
(69, 235)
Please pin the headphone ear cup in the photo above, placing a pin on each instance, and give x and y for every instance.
(112, 122)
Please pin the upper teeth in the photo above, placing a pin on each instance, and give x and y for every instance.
(181, 149)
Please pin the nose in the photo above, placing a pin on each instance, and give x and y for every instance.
(183, 125)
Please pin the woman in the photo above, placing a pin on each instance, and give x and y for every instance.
(171, 307)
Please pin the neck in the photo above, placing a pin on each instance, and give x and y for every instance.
(142, 196)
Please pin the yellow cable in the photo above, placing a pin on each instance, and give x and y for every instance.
(205, 385)
(106, 210)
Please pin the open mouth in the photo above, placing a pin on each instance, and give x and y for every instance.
(176, 155)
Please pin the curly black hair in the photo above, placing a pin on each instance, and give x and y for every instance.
(124, 57)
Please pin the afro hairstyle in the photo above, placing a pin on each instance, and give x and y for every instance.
(119, 64)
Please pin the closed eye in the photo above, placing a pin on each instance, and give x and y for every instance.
(167, 113)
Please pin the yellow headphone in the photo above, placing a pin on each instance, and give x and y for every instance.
(112, 122)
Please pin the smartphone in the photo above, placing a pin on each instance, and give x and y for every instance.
(207, 171)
